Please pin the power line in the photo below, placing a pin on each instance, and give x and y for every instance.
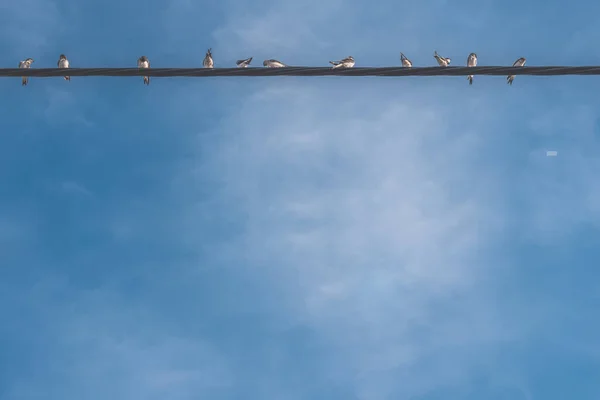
(301, 71)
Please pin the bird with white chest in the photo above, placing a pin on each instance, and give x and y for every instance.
(347, 62)
(471, 62)
(442, 61)
(63, 62)
(272, 63)
(144, 63)
(519, 63)
(406, 63)
(243, 63)
(25, 64)
(208, 61)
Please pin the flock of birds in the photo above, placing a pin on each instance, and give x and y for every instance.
(347, 62)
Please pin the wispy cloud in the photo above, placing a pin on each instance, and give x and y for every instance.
(371, 215)
(292, 238)
(75, 188)
(275, 29)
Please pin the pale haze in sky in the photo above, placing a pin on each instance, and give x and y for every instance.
(299, 238)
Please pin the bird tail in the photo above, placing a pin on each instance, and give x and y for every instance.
(23, 81)
(67, 78)
(510, 79)
(333, 63)
(470, 78)
(146, 80)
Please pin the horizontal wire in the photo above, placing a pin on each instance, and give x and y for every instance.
(301, 71)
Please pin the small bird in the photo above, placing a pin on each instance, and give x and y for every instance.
(272, 63)
(471, 62)
(243, 63)
(347, 62)
(25, 64)
(143, 62)
(63, 63)
(442, 61)
(519, 63)
(208, 60)
(405, 61)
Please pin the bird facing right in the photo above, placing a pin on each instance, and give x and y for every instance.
(442, 61)
(25, 64)
(405, 61)
(347, 62)
(243, 63)
(519, 63)
(143, 62)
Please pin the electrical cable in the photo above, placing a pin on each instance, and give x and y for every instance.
(301, 71)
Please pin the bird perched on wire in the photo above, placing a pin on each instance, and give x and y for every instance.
(243, 63)
(143, 62)
(63, 63)
(347, 62)
(272, 63)
(25, 64)
(208, 60)
(471, 62)
(405, 61)
(442, 61)
(519, 63)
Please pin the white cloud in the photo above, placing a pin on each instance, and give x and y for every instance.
(371, 213)
(275, 30)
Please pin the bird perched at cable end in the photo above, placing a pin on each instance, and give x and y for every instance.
(143, 62)
(63, 63)
(208, 60)
(519, 63)
(471, 62)
(25, 64)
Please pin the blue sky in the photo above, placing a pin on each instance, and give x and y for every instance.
(299, 238)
